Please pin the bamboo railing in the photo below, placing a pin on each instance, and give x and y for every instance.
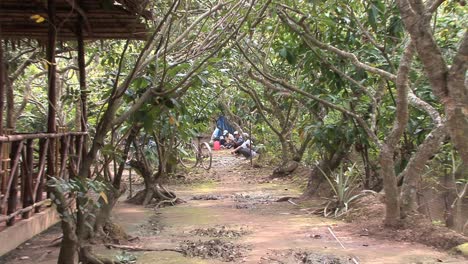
(24, 172)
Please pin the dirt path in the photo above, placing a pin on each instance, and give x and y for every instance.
(273, 229)
(250, 226)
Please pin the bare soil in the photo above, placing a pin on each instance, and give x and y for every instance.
(367, 218)
(235, 196)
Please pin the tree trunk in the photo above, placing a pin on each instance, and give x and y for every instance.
(145, 196)
(448, 84)
(415, 169)
(327, 165)
(392, 206)
(70, 242)
(69, 247)
(454, 198)
(103, 213)
(287, 165)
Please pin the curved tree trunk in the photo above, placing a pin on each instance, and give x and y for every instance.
(415, 168)
(153, 189)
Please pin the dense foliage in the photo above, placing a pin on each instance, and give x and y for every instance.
(332, 85)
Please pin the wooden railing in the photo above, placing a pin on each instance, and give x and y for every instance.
(26, 162)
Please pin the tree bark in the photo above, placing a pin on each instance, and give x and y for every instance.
(387, 170)
(448, 84)
(415, 168)
(70, 242)
(327, 165)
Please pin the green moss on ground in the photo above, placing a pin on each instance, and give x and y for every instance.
(462, 249)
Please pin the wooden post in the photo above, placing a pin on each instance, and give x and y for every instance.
(2, 83)
(3, 172)
(250, 145)
(40, 185)
(13, 195)
(130, 195)
(83, 87)
(64, 149)
(27, 177)
(52, 93)
(5, 165)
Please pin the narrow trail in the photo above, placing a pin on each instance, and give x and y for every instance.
(276, 232)
(250, 225)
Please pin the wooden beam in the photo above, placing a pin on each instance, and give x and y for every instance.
(81, 12)
(18, 137)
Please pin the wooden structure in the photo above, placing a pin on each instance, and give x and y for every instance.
(99, 19)
(26, 160)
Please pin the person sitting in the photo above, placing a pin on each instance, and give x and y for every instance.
(214, 136)
(223, 138)
(246, 148)
(238, 140)
(227, 140)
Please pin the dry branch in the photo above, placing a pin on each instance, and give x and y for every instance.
(136, 248)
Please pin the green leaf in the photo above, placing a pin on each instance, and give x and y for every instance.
(104, 197)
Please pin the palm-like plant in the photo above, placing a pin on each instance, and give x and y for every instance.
(345, 185)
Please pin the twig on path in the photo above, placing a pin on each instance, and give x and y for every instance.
(43, 256)
(291, 202)
(135, 248)
(285, 198)
(133, 239)
(333, 234)
(341, 244)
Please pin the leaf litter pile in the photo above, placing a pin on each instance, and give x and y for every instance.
(220, 231)
(251, 199)
(214, 248)
(303, 257)
(207, 197)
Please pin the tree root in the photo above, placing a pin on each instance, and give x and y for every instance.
(135, 248)
(285, 169)
(88, 257)
(171, 201)
(158, 193)
(137, 198)
(286, 198)
(114, 232)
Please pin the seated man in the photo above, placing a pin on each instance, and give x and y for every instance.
(238, 140)
(227, 140)
(246, 149)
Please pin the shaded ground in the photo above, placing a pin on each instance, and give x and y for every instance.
(232, 216)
